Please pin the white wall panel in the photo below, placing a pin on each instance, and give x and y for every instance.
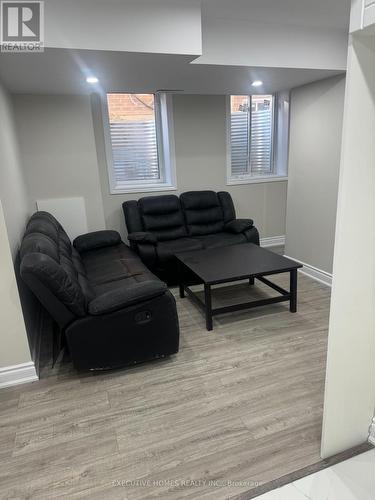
(70, 212)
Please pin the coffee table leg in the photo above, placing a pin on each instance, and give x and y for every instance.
(251, 280)
(293, 291)
(181, 281)
(208, 304)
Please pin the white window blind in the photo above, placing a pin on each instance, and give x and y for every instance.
(135, 152)
(133, 138)
(251, 135)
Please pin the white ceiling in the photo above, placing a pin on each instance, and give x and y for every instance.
(313, 13)
(63, 71)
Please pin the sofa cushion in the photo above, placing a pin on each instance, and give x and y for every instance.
(44, 223)
(51, 275)
(163, 217)
(203, 212)
(39, 243)
(109, 264)
(220, 239)
(119, 298)
(124, 282)
(227, 205)
(167, 249)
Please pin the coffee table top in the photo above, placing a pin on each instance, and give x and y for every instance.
(235, 262)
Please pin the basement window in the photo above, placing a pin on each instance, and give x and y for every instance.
(257, 138)
(141, 157)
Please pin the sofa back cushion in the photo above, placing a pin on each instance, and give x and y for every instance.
(162, 216)
(49, 260)
(203, 212)
(227, 205)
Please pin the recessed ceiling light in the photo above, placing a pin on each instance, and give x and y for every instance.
(257, 83)
(92, 79)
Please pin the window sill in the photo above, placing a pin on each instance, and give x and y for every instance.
(143, 189)
(257, 180)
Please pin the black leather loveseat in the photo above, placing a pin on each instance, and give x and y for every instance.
(161, 226)
(112, 310)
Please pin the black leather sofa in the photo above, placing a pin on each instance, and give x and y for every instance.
(161, 226)
(112, 310)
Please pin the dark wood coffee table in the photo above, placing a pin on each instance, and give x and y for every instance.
(234, 263)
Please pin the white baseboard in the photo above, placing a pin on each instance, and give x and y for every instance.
(17, 374)
(371, 438)
(272, 241)
(314, 272)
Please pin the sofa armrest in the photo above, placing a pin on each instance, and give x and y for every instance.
(96, 239)
(238, 225)
(123, 297)
(142, 237)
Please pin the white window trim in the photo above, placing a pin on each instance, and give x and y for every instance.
(252, 179)
(166, 151)
(280, 149)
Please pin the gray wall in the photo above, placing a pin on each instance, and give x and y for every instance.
(14, 210)
(314, 159)
(58, 150)
(13, 192)
(200, 142)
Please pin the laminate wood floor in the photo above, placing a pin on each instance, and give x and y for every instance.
(237, 406)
